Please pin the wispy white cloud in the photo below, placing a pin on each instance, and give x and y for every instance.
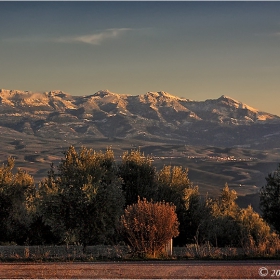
(94, 39)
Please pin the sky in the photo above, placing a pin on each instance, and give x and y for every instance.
(194, 50)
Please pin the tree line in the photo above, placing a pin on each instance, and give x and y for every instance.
(89, 198)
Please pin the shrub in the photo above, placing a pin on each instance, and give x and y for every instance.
(148, 226)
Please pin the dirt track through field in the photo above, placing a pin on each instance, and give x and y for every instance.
(143, 270)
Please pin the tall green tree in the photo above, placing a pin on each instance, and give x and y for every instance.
(83, 201)
(219, 225)
(253, 229)
(225, 204)
(270, 199)
(138, 175)
(175, 187)
(226, 224)
(172, 183)
(17, 194)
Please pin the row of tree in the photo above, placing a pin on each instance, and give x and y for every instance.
(89, 198)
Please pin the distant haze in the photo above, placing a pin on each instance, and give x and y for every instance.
(195, 50)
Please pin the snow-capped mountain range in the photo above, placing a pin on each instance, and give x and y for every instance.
(154, 116)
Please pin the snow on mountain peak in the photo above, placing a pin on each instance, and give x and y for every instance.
(237, 104)
(103, 93)
(229, 100)
(161, 94)
(222, 109)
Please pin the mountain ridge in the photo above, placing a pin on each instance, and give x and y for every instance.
(153, 115)
(160, 96)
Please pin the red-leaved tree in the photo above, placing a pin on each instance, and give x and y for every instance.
(148, 226)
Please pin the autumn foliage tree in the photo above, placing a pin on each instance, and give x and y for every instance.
(148, 226)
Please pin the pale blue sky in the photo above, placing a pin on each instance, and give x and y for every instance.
(196, 50)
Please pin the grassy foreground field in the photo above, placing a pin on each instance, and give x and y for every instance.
(74, 253)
